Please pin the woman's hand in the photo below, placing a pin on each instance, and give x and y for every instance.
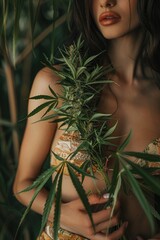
(74, 218)
(116, 235)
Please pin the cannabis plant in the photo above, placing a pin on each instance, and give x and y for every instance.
(82, 82)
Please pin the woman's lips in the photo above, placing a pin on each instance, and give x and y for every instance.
(109, 18)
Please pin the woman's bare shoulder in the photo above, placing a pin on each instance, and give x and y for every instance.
(44, 78)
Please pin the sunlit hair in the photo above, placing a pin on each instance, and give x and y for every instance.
(149, 15)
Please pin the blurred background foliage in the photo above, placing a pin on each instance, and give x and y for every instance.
(29, 30)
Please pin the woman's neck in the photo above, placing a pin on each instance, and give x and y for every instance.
(123, 53)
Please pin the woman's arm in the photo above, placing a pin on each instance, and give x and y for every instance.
(36, 143)
(35, 147)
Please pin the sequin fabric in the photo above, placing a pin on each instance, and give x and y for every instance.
(152, 148)
(66, 146)
(62, 234)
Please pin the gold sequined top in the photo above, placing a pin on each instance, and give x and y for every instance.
(70, 141)
(66, 146)
(152, 148)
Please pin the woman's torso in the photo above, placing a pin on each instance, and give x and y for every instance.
(137, 109)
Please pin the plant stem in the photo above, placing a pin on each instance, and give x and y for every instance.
(39, 39)
(12, 104)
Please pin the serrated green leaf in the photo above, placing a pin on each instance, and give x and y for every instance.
(63, 119)
(43, 177)
(114, 180)
(57, 211)
(87, 166)
(49, 202)
(98, 116)
(46, 97)
(57, 156)
(51, 107)
(100, 82)
(110, 131)
(81, 192)
(37, 190)
(69, 64)
(39, 108)
(116, 191)
(79, 42)
(79, 71)
(53, 92)
(52, 117)
(151, 181)
(80, 170)
(146, 156)
(125, 143)
(90, 59)
(139, 195)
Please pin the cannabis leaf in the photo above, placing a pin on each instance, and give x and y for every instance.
(82, 82)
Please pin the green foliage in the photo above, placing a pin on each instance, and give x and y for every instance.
(49, 202)
(19, 17)
(25, 27)
(82, 82)
(80, 89)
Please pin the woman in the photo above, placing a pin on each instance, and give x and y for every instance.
(127, 31)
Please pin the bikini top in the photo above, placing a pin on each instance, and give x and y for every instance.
(152, 148)
(69, 141)
(66, 145)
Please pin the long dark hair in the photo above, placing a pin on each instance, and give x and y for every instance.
(149, 15)
(82, 23)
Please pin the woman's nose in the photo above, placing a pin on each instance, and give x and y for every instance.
(107, 3)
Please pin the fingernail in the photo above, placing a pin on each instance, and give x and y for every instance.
(106, 195)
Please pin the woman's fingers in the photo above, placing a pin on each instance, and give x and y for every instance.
(93, 200)
(116, 235)
(97, 203)
(103, 218)
(112, 222)
(81, 224)
(107, 216)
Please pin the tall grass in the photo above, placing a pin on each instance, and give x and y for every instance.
(28, 29)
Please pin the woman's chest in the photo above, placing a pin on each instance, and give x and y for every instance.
(134, 111)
